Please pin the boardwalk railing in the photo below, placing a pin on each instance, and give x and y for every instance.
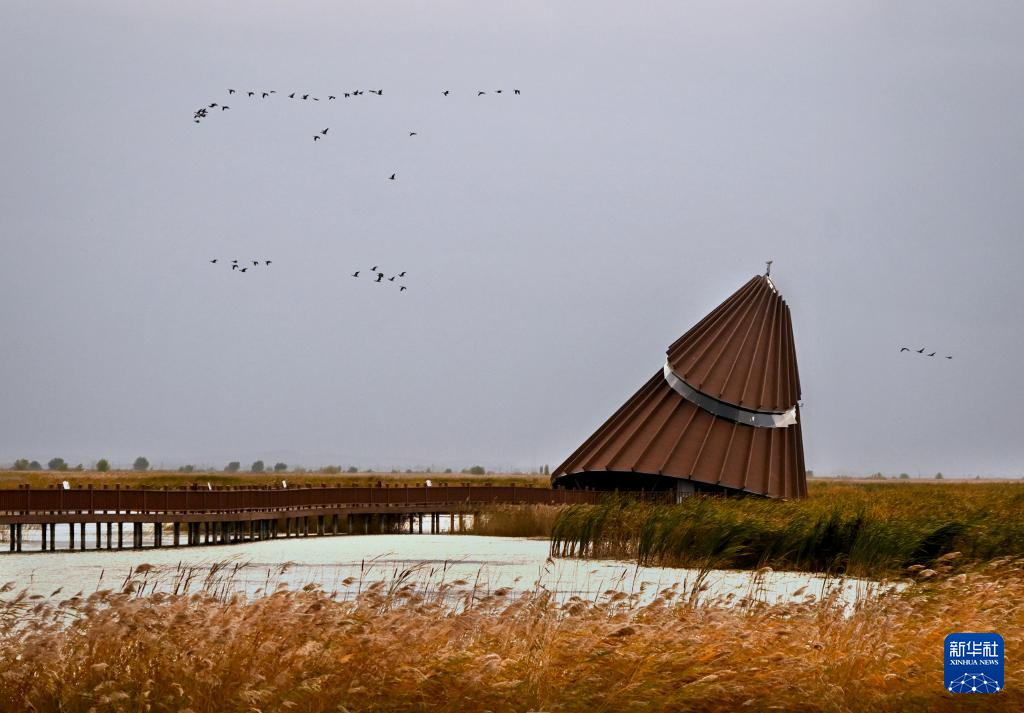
(228, 515)
(78, 502)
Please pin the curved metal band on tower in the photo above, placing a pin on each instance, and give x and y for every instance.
(758, 419)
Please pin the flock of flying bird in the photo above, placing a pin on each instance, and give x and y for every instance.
(380, 277)
(919, 351)
(236, 266)
(266, 263)
(204, 112)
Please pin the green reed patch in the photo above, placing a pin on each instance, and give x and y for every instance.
(863, 529)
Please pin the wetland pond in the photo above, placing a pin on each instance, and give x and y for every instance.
(455, 564)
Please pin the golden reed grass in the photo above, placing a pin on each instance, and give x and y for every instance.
(395, 649)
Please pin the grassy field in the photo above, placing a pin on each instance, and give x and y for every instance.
(217, 478)
(396, 649)
(872, 529)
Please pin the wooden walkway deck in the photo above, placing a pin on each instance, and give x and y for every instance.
(227, 515)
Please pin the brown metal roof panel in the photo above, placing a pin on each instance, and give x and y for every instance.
(722, 356)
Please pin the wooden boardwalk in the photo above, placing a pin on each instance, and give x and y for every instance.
(226, 515)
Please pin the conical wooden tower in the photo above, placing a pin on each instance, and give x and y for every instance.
(721, 415)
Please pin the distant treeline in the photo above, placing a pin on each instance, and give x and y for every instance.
(141, 464)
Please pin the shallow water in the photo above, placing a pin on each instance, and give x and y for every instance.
(348, 564)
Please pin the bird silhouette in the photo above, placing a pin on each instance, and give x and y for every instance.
(196, 120)
(413, 133)
(949, 357)
(265, 95)
(402, 288)
(402, 273)
(921, 350)
(234, 261)
(212, 105)
(392, 176)
(379, 277)
(242, 269)
(256, 262)
(516, 91)
(374, 268)
(292, 95)
(904, 349)
(497, 91)
(316, 137)
(316, 99)
(214, 261)
(266, 262)
(331, 97)
(305, 96)
(479, 94)
(347, 95)
(234, 267)
(231, 91)
(224, 107)
(252, 94)
(932, 354)
(355, 274)
(324, 132)
(445, 92)
(392, 278)
(379, 92)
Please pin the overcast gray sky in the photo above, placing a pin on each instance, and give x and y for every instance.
(555, 242)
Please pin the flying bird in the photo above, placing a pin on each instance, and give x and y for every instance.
(331, 97)
(904, 349)
(305, 96)
(347, 95)
(445, 92)
(234, 261)
(292, 95)
(234, 267)
(256, 262)
(316, 137)
(949, 357)
(355, 274)
(413, 133)
(212, 105)
(932, 354)
(392, 177)
(266, 262)
(402, 273)
(516, 91)
(324, 132)
(480, 93)
(265, 95)
(224, 107)
(242, 269)
(921, 350)
(252, 94)
(214, 261)
(392, 278)
(231, 91)
(497, 91)
(374, 268)
(379, 92)
(379, 277)
(401, 288)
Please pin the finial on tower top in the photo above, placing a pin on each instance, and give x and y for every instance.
(768, 268)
